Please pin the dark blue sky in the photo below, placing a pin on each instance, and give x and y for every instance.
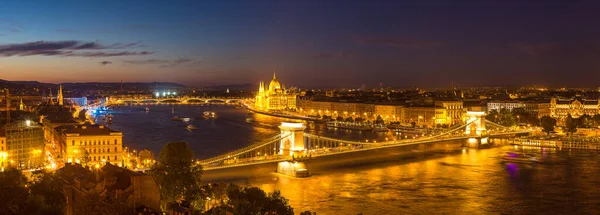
(308, 43)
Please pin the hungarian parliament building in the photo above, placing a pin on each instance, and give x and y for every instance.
(275, 97)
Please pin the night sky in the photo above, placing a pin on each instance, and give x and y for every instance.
(309, 43)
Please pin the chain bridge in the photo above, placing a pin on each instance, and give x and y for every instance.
(179, 99)
(293, 145)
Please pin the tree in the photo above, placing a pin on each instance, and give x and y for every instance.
(176, 174)
(349, 119)
(379, 120)
(14, 193)
(146, 157)
(570, 125)
(339, 118)
(85, 157)
(96, 204)
(251, 200)
(49, 186)
(548, 124)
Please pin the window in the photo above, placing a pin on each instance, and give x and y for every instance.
(115, 157)
(108, 150)
(108, 158)
(94, 150)
(73, 142)
(116, 149)
(115, 141)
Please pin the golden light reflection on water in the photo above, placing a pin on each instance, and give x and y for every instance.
(470, 181)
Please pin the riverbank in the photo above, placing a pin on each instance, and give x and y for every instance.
(562, 144)
(283, 115)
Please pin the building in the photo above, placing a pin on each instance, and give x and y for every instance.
(508, 105)
(134, 189)
(423, 115)
(389, 112)
(337, 108)
(24, 145)
(102, 144)
(561, 108)
(3, 153)
(452, 113)
(275, 97)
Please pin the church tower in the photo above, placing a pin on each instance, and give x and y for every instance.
(50, 101)
(21, 105)
(60, 95)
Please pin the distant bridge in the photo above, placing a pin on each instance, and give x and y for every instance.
(293, 144)
(172, 99)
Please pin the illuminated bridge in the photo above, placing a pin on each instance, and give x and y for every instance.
(295, 145)
(171, 99)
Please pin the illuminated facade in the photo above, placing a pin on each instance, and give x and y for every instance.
(103, 145)
(3, 153)
(449, 112)
(23, 145)
(576, 107)
(275, 97)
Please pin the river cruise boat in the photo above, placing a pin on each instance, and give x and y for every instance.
(514, 157)
(210, 114)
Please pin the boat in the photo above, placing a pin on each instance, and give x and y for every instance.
(173, 110)
(210, 114)
(191, 127)
(183, 119)
(249, 119)
(147, 109)
(514, 157)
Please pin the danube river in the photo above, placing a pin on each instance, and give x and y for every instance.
(467, 181)
(234, 127)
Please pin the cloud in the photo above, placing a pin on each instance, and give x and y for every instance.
(162, 63)
(145, 62)
(402, 42)
(571, 49)
(69, 48)
(104, 63)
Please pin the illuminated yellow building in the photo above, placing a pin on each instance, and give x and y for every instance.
(23, 146)
(3, 153)
(576, 107)
(103, 145)
(275, 97)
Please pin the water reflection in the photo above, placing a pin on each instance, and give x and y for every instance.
(475, 182)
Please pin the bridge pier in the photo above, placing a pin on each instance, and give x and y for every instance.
(292, 145)
(478, 142)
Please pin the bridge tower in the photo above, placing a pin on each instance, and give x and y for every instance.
(293, 143)
(477, 127)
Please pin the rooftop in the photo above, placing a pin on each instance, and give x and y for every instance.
(86, 130)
